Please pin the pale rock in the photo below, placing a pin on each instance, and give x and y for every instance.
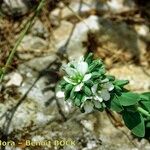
(38, 29)
(87, 6)
(60, 94)
(36, 94)
(15, 7)
(89, 125)
(55, 17)
(42, 119)
(80, 35)
(138, 80)
(143, 30)
(75, 46)
(118, 6)
(32, 44)
(78, 7)
(62, 33)
(37, 138)
(15, 79)
(75, 39)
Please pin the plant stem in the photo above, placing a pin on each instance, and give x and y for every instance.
(21, 36)
(143, 111)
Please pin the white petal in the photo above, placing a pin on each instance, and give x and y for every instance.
(78, 87)
(94, 88)
(70, 71)
(82, 67)
(60, 94)
(81, 58)
(109, 86)
(69, 80)
(97, 104)
(98, 98)
(105, 80)
(87, 77)
(105, 95)
(88, 106)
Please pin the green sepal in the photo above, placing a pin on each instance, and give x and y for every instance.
(94, 65)
(89, 83)
(77, 101)
(87, 90)
(73, 93)
(88, 58)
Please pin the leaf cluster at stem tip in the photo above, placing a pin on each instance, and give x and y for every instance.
(87, 85)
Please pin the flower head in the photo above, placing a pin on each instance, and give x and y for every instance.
(86, 84)
(77, 73)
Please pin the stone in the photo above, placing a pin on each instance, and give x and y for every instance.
(32, 46)
(31, 70)
(119, 6)
(15, 7)
(88, 7)
(55, 17)
(138, 80)
(62, 33)
(39, 30)
(15, 79)
(75, 40)
(80, 35)
(32, 43)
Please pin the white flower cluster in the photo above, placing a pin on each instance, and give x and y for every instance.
(77, 75)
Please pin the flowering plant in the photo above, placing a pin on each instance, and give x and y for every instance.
(88, 87)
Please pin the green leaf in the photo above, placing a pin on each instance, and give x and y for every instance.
(121, 82)
(111, 78)
(145, 96)
(148, 125)
(118, 90)
(145, 101)
(114, 104)
(135, 122)
(95, 74)
(68, 89)
(88, 58)
(62, 84)
(89, 83)
(146, 105)
(87, 90)
(77, 102)
(128, 98)
(73, 94)
(132, 108)
(95, 64)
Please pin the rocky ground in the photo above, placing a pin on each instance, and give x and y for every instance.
(117, 31)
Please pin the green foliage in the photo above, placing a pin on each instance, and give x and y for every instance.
(121, 83)
(135, 122)
(87, 90)
(114, 104)
(129, 98)
(101, 91)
